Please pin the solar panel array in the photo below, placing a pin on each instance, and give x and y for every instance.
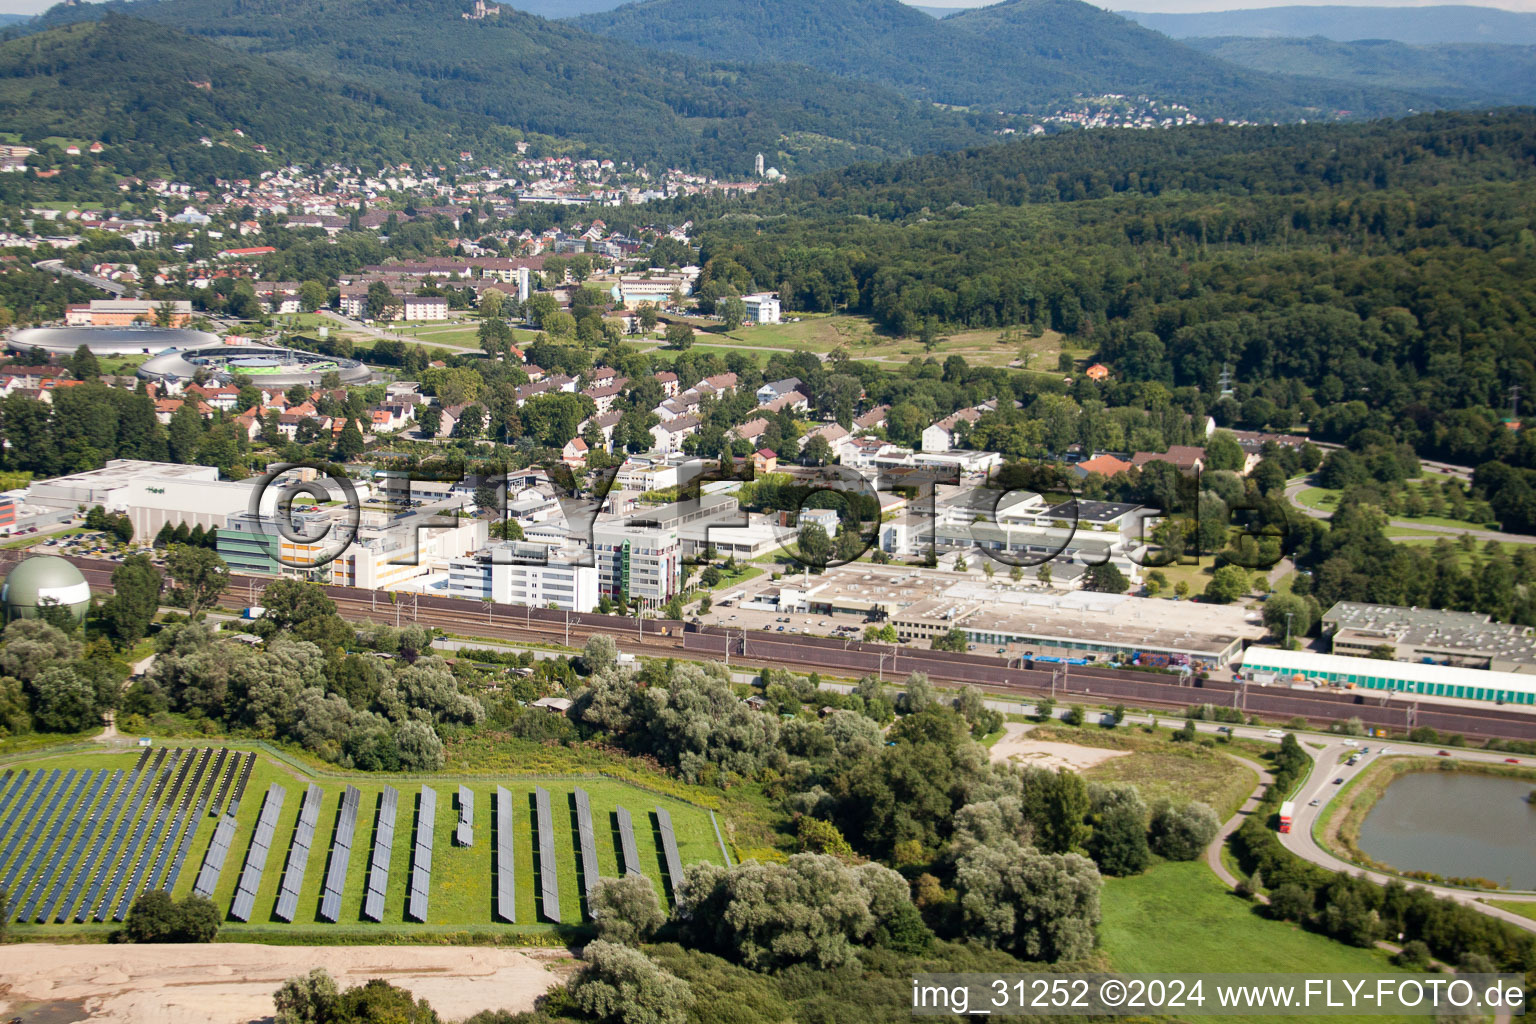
(627, 843)
(82, 826)
(506, 878)
(143, 855)
(180, 836)
(669, 850)
(113, 864)
(214, 856)
(109, 819)
(589, 870)
(10, 786)
(341, 853)
(421, 859)
(298, 853)
(549, 885)
(194, 817)
(256, 857)
(464, 833)
(383, 843)
(39, 851)
(35, 791)
(49, 802)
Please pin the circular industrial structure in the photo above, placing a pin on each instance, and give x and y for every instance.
(44, 580)
(108, 341)
(260, 364)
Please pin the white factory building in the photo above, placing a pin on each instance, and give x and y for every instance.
(519, 574)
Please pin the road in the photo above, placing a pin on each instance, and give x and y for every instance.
(58, 267)
(1295, 487)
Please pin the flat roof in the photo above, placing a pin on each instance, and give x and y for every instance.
(1306, 662)
(1092, 511)
(1470, 632)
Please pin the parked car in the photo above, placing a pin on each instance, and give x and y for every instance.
(1511, 760)
(1313, 802)
(1442, 753)
(1339, 781)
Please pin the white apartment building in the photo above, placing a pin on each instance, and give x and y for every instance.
(515, 574)
(762, 308)
(425, 307)
(640, 563)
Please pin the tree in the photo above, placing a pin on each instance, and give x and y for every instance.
(626, 909)
(84, 365)
(1223, 453)
(63, 701)
(1182, 833)
(381, 302)
(620, 985)
(885, 634)
(490, 302)
(646, 314)
(955, 640)
(1287, 615)
(155, 917)
(379, 1002)
(732, 310)
(679, 337)
(495, 336)
(1106, 579)
(312, 295)
(429, 419)
(136, 587)
(350, 444)
(305, 999)
(814, 547)
(1040, 907)
(200, 575)
(916, 694)
(600, 654)
(1227, 584)
(817, 451)
(1118, 844)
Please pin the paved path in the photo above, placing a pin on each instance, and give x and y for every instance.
(1295, 487)
(1213, 852)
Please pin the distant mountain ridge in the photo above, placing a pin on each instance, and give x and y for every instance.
(1016, 56)
(551, 78)
(1467, 73)
(1425, 26)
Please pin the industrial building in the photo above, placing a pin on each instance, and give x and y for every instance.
(639, 563)
(379, 555)
(1429, 636)
(1269, 665)
(150, 494)
(125, 312)
(518, 574)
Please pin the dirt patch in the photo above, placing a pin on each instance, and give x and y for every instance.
(232, 983)
(1016, 746)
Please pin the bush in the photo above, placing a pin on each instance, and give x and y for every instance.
(1183, 833)
(626, 909)
(155, 917)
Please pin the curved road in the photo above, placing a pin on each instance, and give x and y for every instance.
(1295, 487)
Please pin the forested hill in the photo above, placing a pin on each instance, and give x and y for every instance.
(1465, 73)
(151, 93)
(550, 78)
(1446, 23)
(1020, 56)
(1354, 278)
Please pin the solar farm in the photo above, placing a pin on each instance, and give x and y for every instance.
(82, 835)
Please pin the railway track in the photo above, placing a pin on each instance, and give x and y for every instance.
(669, 638)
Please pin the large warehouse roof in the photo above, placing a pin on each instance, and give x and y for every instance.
(1374, 673)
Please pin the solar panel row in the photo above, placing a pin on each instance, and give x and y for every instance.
(383, 843)
(138, 765)
(627, 843)
(76, 842)
(298, 854)
(549, 885)
(506, 879)
(24, 801)
(140, 856)
(10, 787)
(231, 766)
(416, 902)
(196, 816)
(65, 814)
(669, 851)
(111, 865)
(245, 777)
(29, 828)
(213, 857)
(256, 856)
(341, 853)
(179, 836)
(464, 833)
(588, 843)
(93, 864)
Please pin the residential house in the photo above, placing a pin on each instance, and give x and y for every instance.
(768, 392)
(574, 454)
(668, 381)
(750, 431)
(941, 436)
(1097, 372)
(794, 401)
(1104, 465)
(1186, 458)
(764, 460)
(669, 435)
(874, 419)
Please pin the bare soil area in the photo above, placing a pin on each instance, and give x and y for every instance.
(232, 983)
(1016, 746)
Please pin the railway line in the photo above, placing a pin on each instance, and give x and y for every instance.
(671, 638)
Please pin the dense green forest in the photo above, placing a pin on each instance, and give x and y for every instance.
(1022, 56)
(1350, 277)
(549, 78)
(150, 92)
(1461, 73)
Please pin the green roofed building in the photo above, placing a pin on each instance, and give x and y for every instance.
(41, 580)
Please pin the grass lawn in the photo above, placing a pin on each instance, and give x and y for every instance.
(1178, 918)
(1515, 907)
(463, 882)
(1323, 499)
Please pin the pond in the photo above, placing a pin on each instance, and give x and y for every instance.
(1456, 824)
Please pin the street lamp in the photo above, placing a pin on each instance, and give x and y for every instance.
(1288, 629)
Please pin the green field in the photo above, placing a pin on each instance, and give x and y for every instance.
(463, 881)
(1177, 918)
(1522, 908)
